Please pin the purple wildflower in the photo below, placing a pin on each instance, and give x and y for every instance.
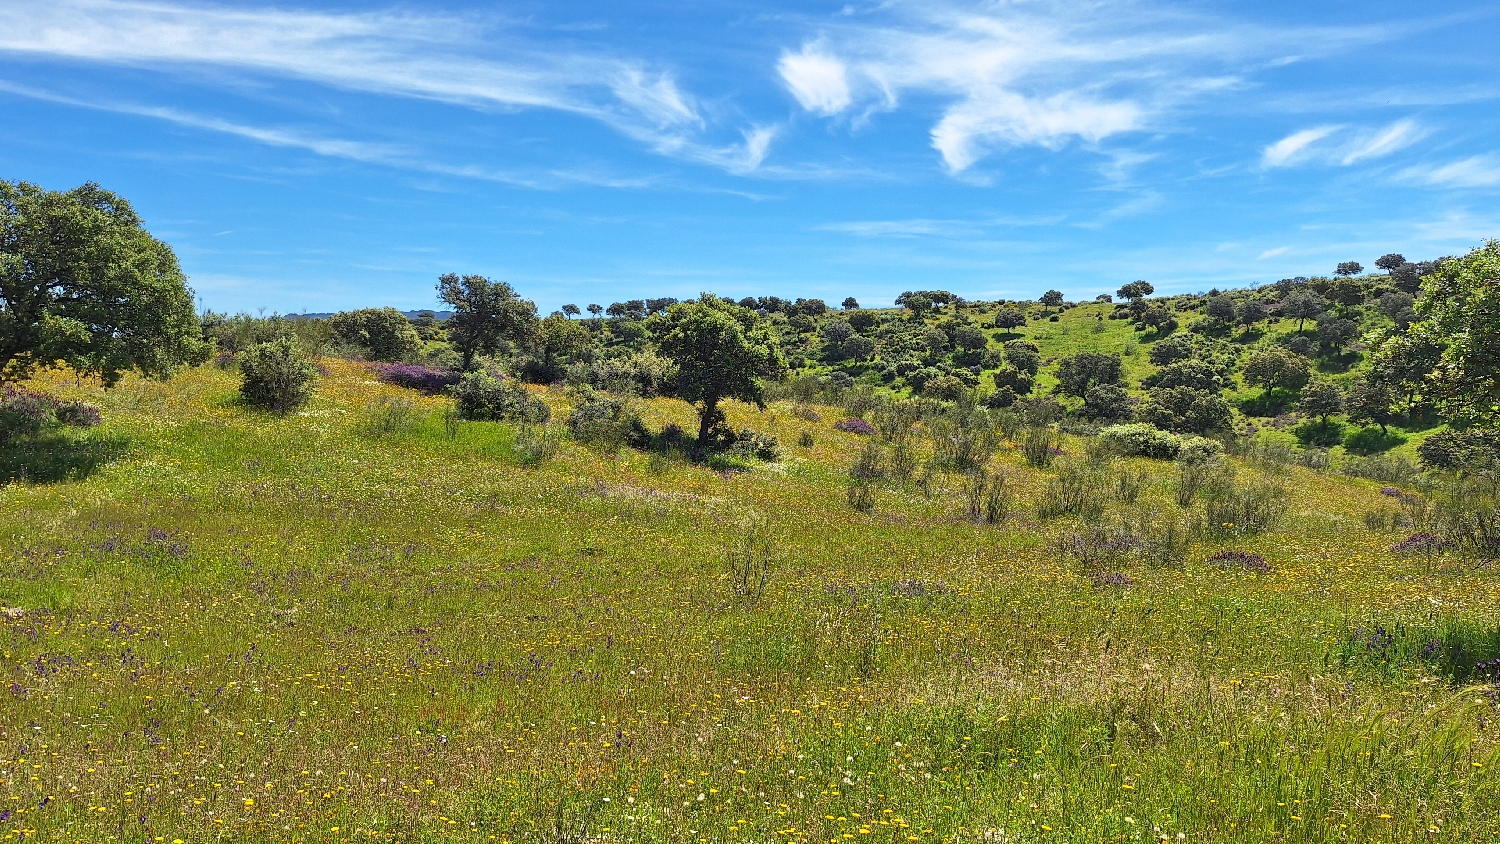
(854, 426)
(1241, 559)
(416, 377)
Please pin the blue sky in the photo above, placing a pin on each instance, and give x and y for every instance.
(315, 157)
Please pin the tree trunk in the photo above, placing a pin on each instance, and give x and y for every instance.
(706, 419)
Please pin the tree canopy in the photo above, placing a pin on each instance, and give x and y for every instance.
(486, 314)
(1459, 313)
(83, 282)
(721, 351)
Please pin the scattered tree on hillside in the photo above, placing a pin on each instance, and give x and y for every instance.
(485, 314)
(721, 351)
(1276, 368)
(1135, 290)
(1220, 309)
(1009, 319)
(570, 311)
(83, 282)
(1349, 268)
(1302, 305)
(1390, 262)
(1077, 373)
(850, 304)
(1370, 401)
(1052, 298)
(1321, 399)
(1250, 312)
(595, 310)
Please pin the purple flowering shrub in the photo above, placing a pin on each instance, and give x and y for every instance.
(1240, 559)
(854, 426)
(25, 412)
(414, 376)
(1420, 543)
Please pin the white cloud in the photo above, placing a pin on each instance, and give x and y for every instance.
(818, 81)
(899, 228)
(461, 61)
(1383, 142)
(1272, 253)
(1294, 147)
(1479, 171)
(391, 155)
(1339, 145)
(1044, 73)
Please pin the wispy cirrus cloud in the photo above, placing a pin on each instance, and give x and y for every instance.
(367, 152)
(1479, 171)
(1341, 145)
(472, 62)
(1038, 74)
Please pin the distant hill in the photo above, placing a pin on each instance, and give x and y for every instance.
(441, 315)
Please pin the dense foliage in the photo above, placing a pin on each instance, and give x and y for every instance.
(83, 283)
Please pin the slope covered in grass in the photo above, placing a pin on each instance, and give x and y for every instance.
(237, 626)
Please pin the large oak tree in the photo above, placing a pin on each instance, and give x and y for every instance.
(721, 351)
(83, 283)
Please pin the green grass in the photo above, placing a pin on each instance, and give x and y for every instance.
(257, 628)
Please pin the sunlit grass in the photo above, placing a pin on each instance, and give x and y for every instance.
(261, 628)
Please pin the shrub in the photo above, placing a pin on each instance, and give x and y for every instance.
(945, 388)
(1386, 468)
(1127, 486)
(1107, 402)
(1074, 491)
(1420, 543)
(24, 412)
(377, 333)
(276, 375)
(424, 379)
(854, 426)
(1454, 449)
(805, 439)
(78, 414)
(1096, 546)
(748, 443)
(481, 396)
(1320, 433)
(751, 559)
(987, 497)
(606, 422)
(1040, 447)
(387, 415)
(1140, 440)
(534, 443)
(1199, 450)
(1245, 509)
(1186, 410)
(1240, 559)
(641, 373)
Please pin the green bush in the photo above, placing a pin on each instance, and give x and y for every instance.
(376, 333)
(1141, 440)
(606, 422)
(1320, 434)
(481, 396)
(276, 375)
(1371, 441)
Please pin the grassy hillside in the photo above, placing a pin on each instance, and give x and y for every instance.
(238, 626)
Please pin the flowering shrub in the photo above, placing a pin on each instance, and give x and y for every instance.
(1241, 559)
(25, 412)
(854, 426)
(414, 376)
(1420, 543)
